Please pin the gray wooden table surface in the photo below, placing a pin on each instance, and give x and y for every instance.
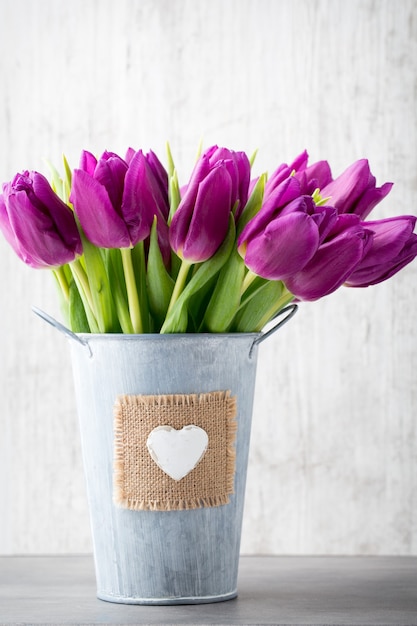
(272, 590)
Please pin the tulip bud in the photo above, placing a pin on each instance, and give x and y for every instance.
(310, 177)
(394, 245)
(116, 202)
(159, 172)
(144, 198)
(238, 166)
(354, 191)
(201, 221)
(335, 260)
(281, 195)
(38, 225)
(290, 240)
(96, 195)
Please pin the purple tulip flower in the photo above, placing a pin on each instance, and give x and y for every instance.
(116, 201)
(355, 191)
(282, 194)
(38, 225)
(394, 245)
(201, 220)
(160, 174)
(311, 177)
(284, 235)
(238, 166)
(340, 253)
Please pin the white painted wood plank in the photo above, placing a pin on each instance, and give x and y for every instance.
(338, 383)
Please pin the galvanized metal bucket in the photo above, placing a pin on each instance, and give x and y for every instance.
(161, 557)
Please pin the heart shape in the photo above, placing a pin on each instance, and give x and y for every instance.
(177, 452)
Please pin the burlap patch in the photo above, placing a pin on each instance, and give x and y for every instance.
(140, 484)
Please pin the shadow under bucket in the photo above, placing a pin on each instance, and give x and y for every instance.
(183, 556)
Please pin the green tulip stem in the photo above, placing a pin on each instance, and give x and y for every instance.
(179, 283)
(132, 292)
(82, 278)
(62, 282)
(247, 281)
(285, 298)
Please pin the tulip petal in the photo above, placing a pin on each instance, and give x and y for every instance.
(40, 244)
(182, 216)
(7, 230)
(234, 177)
(370, 199)
(283, 171)
(390, 236)
(37, 224)
(138, 201)
(88, 162)
(316, 176)
(277, 199)
(244, 169)
(130, 153)
(100, 222)
(239, 168)
(326, 218)
(161, 177)
(284, 247)
(142, 200)
(334, 261)
(110, 172)
(62, 216)
(300, 162)
(210, 218)
(277, 177)
(394, 245)
(347, 188)
(367, 276)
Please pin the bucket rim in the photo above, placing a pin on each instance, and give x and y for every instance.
(148, 336)
(84, 339)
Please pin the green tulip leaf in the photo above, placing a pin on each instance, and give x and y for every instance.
(99, 285)
(77, 317)
(174, 195)
(260, 308)
(159, 283)
(253, 204)
(225, 299)
(203, 274)
(135, 276)
(118, 289)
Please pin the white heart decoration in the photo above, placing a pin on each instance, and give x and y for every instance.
(177, 452)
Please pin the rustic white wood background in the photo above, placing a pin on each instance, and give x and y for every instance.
(333, 466)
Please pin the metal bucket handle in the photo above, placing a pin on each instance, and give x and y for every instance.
(62, 329)
(291, 310)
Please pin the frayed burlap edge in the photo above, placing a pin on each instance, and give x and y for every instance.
(164, 401)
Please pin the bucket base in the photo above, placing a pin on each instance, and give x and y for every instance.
(165, 601)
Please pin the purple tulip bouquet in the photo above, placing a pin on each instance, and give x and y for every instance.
(134, 252)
